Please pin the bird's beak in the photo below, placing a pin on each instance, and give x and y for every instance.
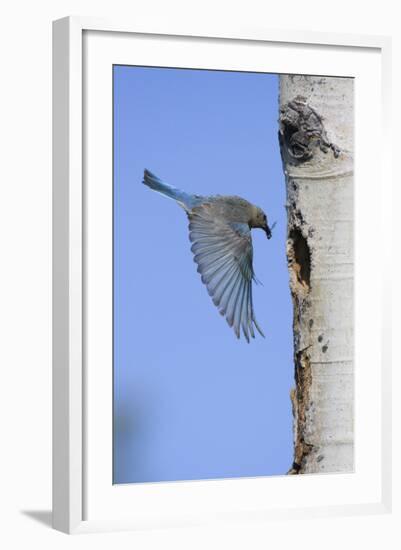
(268, 232)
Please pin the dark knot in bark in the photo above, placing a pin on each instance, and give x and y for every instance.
(301, 132)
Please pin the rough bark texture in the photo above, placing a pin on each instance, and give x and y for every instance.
(316, 140)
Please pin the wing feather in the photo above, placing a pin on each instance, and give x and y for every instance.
(223, 253)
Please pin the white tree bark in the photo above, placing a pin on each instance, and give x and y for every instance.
(316, 140)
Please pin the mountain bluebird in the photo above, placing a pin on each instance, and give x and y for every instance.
(220, 230)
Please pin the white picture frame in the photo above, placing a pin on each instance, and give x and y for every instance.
(79, 484)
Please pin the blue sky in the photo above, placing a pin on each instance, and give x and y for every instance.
(190, 400)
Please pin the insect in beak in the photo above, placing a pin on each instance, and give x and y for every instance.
(268, 230)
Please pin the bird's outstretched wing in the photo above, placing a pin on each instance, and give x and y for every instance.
(223, 252)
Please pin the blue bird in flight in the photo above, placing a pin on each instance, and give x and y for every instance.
(220, 232)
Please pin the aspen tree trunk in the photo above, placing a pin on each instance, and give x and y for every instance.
(316, 141)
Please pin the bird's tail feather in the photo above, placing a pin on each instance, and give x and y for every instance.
(158, 185)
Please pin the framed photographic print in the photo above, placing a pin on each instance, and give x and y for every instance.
(220, 331)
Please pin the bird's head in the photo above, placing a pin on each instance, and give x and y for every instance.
(259, 219)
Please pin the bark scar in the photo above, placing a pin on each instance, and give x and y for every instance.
(302, 132)
(300, 399)
(299, 263)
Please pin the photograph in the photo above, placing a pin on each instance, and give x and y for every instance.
(232, 274)
(198, 260)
